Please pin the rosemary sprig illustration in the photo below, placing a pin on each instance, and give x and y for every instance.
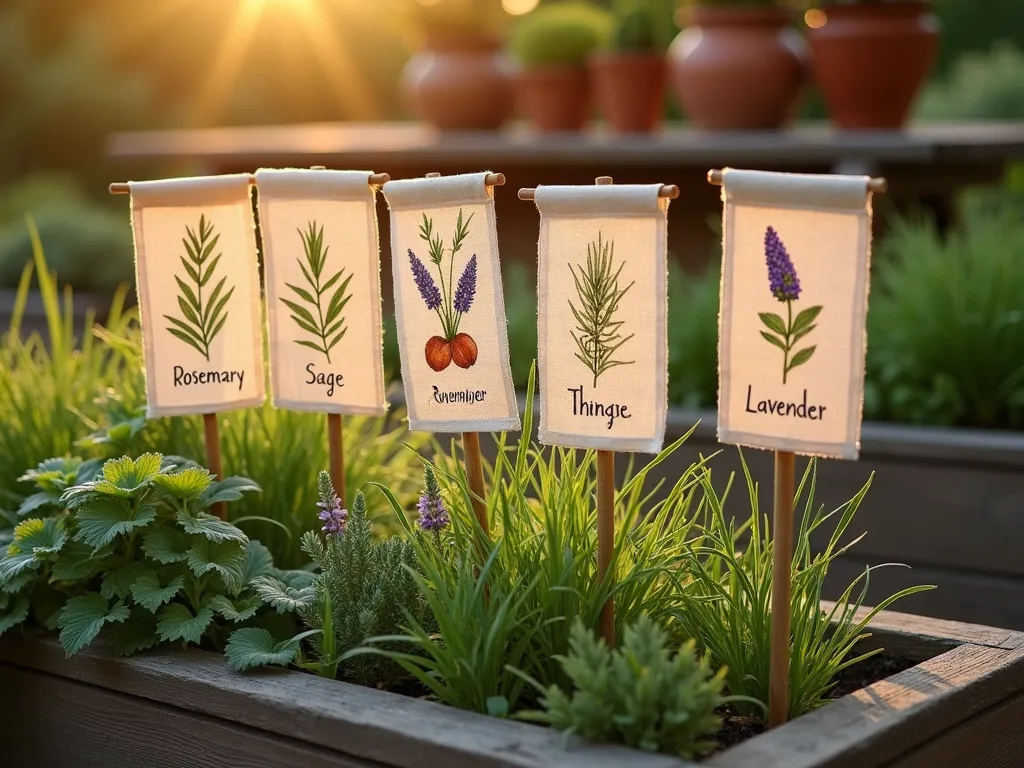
(327, 325)
(598, 334)
(202, 316)
(785, 287)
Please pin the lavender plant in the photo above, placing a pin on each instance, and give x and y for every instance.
(785, 286)
(453, 300)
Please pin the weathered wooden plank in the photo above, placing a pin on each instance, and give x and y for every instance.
(352, 720)
(877, 724)
(50, 722)
(993, 739)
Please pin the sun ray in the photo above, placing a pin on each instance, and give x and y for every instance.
(228, 61)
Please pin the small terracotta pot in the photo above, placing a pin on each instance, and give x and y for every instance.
(459, 84)
(738, 67)
(555, 98)
(629, 89)
(870, 60)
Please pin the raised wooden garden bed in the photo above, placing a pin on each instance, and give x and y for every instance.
(186, 708)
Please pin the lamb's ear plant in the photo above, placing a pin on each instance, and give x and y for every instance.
(728, 611)
(644, 695)
(132, 554)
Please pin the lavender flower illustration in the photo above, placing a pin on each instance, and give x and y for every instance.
(785, 286)
(433, 514)
(332, 514)
(452, 300)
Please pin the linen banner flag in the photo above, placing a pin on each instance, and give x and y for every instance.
(794, 301)
(322, 260)
(452, 331)
(199, 294)
(602, 317)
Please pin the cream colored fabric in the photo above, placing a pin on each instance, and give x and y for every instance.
(602, 276)
(322, 260)
(791, 359)
(199, 294)
(455, 365)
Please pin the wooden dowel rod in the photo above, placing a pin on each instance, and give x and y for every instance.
(491, 179)
(475, 476)
(376, 180)
(782, 562)
(875, 186)
(667, 191)
(211, 435)
(606, 536)
(337, 455)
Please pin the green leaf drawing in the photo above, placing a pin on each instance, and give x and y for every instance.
(202, 317)
(773, 321)
(82, 618)
(323, 318)
(791, 330)
(598, 334)
(801, 357)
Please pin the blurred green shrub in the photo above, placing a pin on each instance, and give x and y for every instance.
(946, 322)
(980, 86)
(643, 25)
(561, 35)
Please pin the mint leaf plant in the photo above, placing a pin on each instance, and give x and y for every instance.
(131, 554)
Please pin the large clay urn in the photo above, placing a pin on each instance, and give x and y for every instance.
(735, 67)
(554, 98)
(870, 60)
(460, 83)
(629, 89)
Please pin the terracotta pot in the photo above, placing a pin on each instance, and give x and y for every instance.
(738, 67)
(629, 89)
(459, 84)
(870, 60)
(555, 98)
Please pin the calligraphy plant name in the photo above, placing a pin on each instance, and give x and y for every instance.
(785, 286)
(452, 301)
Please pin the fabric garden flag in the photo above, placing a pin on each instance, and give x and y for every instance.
(602, 317)
(322, 261)
(199, 294)
(452, 332)
(794, 301)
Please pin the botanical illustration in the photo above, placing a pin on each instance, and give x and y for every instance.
(598, 333)
(785, 286)
(452, 301)
(203, 313)
(321, 318)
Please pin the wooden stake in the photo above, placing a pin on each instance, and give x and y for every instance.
(475, 475)
(606, 536)
(782, 562)
(337, 455)
(211, 434)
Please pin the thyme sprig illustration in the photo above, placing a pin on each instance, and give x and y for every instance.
(202, 316)
(785, 286)
(598, 334)
(327, 325)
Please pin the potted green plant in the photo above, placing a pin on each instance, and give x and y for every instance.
(870, 58)
(551, 46)
(459, 77)
(737, 64)
(629, 77)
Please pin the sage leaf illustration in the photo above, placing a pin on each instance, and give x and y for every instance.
(598, 335)
(319, 316)
(203, 313)
(785, 286)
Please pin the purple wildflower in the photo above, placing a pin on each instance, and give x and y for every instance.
(784, 284)
(433, 514)
(332, 514)
(466, 289)
(424, 282)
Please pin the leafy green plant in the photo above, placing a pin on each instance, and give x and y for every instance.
(133, 553)
(693, 336)
(560, 35)
(643, 25)
(728, 612)
(983, 85)
(328, 326)
(201, 321)
(643, 695)
(598, 333)
(946, 322)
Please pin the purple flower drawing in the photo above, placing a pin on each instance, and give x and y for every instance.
(466, 289)
(784, 285)
(332, 514)
(424, 282)
(433, 514)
